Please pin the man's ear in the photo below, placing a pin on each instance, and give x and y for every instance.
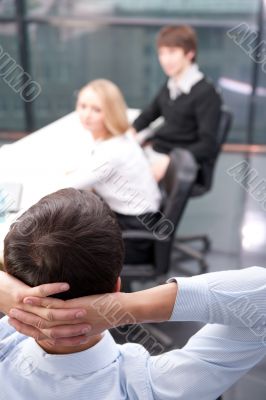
(117, 287)
(190, 55)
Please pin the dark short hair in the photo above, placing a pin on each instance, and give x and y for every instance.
(68, 236)
(178, 36)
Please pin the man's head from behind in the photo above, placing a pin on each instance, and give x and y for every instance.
(68, 236)
(177, 48)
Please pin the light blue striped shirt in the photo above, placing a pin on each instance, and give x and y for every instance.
(233, 303)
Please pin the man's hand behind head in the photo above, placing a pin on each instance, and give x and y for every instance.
(71, 322)
(13, 291)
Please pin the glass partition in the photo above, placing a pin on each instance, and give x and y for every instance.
(259, 131)
(200, 9)
(11, 103)
(64, 58)
(7, 8)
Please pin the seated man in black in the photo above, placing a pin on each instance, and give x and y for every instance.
(188, 102)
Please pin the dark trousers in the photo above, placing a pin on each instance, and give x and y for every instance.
(138, 251)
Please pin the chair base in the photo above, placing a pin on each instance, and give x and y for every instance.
(204, 239)
(189, 252)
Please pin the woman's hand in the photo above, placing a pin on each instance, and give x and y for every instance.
(159, 167)
(132, 131)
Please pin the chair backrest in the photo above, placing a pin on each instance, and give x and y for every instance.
(206, 171)
(224, 127)
(176, 188)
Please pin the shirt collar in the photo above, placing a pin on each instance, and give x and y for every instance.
(88, 361)
(184, 84)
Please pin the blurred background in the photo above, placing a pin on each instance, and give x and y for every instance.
(62, 45)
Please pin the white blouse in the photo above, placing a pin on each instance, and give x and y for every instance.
(119, 172)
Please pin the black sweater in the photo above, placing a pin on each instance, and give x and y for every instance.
(191, 120)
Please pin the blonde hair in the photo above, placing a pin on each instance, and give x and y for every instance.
(113, 105)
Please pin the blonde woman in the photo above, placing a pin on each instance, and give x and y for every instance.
(116, 167)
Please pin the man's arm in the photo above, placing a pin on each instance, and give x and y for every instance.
(208, 112)
(102, 312)
(219, 354)
(13, 291)
(219, 297)
(211, 362)
(149, 114)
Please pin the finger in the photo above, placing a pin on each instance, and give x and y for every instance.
(48, 289)
(66, 336)
(68, 331)
(26, 329)
(45, 318)
(47, 302)
(29, 319)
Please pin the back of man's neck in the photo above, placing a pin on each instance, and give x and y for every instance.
(57, 349)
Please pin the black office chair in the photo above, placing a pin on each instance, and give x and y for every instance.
(176, 188)
(202, 185)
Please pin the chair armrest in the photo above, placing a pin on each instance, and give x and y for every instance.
(130, 234)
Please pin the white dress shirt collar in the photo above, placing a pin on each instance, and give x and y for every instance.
(88, 361)
(184, 84)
